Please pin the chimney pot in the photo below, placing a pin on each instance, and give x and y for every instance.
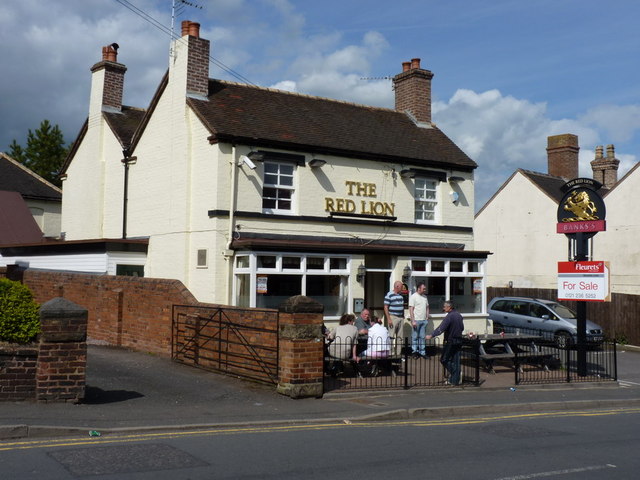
(415, 63)
(610, 151)
(194, 29)
(109, 54)
(185, 27)
(406, 66)
(599, 152)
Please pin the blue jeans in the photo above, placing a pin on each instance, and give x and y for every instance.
(451, 360)
(417, 337)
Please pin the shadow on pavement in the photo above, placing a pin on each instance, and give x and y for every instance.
(97, 396)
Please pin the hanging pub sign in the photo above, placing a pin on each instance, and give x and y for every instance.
(581, 209)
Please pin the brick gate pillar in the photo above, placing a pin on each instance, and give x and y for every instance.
(301, 344)
(62, 357)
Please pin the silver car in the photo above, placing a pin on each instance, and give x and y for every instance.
(544, 317)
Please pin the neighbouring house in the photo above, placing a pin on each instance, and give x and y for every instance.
(518, 223)
(30, 207)
(250, 195)
(41, 198)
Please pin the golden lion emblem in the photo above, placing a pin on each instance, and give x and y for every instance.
(581, 206)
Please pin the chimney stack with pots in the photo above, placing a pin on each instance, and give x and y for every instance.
(107, 81)
(562, 156)
(197, 61)
(605, 169)
(413, 91)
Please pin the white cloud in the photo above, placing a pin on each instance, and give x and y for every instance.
(620, 122)
(502, 133)
(286, 85)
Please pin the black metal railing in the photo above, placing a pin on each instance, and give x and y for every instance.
(397, 368)
(551, 363)
(537, 358)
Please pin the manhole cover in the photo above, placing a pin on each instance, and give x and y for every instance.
(124, 459)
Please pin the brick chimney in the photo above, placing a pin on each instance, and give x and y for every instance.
(197, 73)
(605, 170)
(562, 156)
(107, 81)
(413, 91)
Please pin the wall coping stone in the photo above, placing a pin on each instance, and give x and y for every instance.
(301, 304)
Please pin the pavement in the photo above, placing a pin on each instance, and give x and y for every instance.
(131, 391)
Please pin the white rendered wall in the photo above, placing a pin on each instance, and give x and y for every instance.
(49, 216)
(619, 244)
(519, 227)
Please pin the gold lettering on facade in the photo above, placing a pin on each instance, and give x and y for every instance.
(360, 189)
(367, 207)
(377, 208)
(328, 205)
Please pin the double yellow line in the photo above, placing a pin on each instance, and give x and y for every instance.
(141, 437)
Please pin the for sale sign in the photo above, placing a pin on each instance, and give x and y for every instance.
(583, 281)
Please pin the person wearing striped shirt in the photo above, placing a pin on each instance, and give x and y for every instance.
(394, 312)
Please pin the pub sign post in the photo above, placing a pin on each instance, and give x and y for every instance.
(581, 214)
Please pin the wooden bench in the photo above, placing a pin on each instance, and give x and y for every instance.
(366, 367)
(489, 358)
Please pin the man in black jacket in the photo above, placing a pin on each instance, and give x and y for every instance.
(452, 325)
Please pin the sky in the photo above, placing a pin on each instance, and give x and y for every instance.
(507, 73)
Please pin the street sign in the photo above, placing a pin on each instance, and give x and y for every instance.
(583, 281)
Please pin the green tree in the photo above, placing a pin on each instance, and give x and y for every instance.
(45, 151)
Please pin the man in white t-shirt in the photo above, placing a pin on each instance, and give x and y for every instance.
(419, 315)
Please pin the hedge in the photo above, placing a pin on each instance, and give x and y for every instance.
(19, 313)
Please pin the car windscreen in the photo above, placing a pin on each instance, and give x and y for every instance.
(561, 310)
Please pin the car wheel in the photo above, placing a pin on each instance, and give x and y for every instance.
(563, 339)
(497, 327)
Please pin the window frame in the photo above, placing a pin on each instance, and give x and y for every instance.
(279, 186)
(436, 200)
(423, 267)
(253, 271)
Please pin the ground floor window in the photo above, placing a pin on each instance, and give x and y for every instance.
(265, 280)
(461, 281)
(130, 270)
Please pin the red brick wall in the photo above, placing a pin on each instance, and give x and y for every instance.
(61, 371)
(17, 371)
(125, 311)
(137, 313)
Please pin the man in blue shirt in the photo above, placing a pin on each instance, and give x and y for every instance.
(452, 326)
(394, 312)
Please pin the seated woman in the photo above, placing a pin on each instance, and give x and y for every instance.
(344, 339)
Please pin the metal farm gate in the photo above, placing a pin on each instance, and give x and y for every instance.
(227, 340)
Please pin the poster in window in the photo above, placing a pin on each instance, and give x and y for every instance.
(477, 285)
(404, 291)
(261, 284)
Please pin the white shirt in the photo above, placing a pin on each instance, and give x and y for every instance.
(378, 340)
(420, 306)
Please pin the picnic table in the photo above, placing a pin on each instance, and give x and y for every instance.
(516, 347)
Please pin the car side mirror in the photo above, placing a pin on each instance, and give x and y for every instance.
(545, 317)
